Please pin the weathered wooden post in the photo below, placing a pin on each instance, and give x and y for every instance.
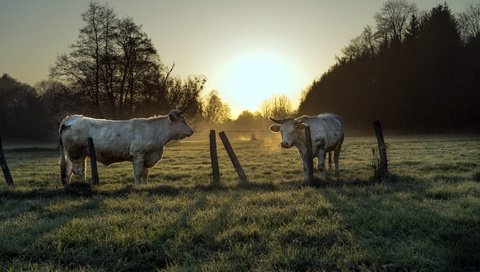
(382, 170)
(93, 160)
(308, 138)
(214, 157)
(3, 164)
(233, 157)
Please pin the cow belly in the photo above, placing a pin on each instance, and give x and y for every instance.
(107, 160)
(107, 156)
(322, 146)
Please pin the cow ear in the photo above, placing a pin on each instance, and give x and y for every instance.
(172, 117)
(275, 128)
(300, 126)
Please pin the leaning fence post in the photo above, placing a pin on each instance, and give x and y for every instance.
(382, 150)
(233, 157)
(3, 164)
(308, 138)
(214, 157)
(93, 160)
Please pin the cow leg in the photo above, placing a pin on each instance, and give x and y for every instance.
(305, 168)
(329, 154)
(336, 157)
(145, 175)
(68, 170)
(78, 168)
(138, 166)
(321, 164)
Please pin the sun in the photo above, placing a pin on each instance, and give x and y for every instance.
(252, 77)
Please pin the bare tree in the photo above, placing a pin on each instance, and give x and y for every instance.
(364, 44)
(59, 101)
(469, 22)
(115, 66)
(139, 68)
(82, 68)
(369, 41)
(186, 93)
(216, 111)
(108, 26)
(353, 50)
(113, 63)
(392, 20)
(277, 106)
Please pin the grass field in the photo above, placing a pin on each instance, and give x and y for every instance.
(425, 217)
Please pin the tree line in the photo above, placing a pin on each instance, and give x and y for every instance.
(113, 71)
(114, 67)
(27, 111)
(415, 71)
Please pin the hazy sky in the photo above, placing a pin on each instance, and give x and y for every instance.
(279, 45)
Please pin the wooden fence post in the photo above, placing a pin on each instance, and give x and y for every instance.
(308, 138)
(382, 150)
(233, 157)
(214, 157)
(3, 164)
(93, 160)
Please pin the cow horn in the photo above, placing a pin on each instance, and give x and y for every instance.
(278, 121)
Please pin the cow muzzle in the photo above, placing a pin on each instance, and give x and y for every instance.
(286, 145)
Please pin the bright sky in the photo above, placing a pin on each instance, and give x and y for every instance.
(248, 49)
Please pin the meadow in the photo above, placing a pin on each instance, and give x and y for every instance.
(425, 216)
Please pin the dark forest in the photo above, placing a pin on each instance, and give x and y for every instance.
(425, 78)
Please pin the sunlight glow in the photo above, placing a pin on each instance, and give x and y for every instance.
(254, 77)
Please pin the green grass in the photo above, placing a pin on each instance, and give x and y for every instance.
(425, 217)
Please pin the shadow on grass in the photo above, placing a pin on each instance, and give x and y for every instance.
(403, 226)
(83, 189)
(27, 242)
(201, 243)
(156, 253)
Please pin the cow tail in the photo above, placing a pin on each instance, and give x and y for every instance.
(65, 163)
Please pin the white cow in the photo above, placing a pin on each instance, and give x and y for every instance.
(327, 135)
(140, 141)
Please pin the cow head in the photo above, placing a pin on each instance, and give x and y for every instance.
(290, 129)
(180, 127)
